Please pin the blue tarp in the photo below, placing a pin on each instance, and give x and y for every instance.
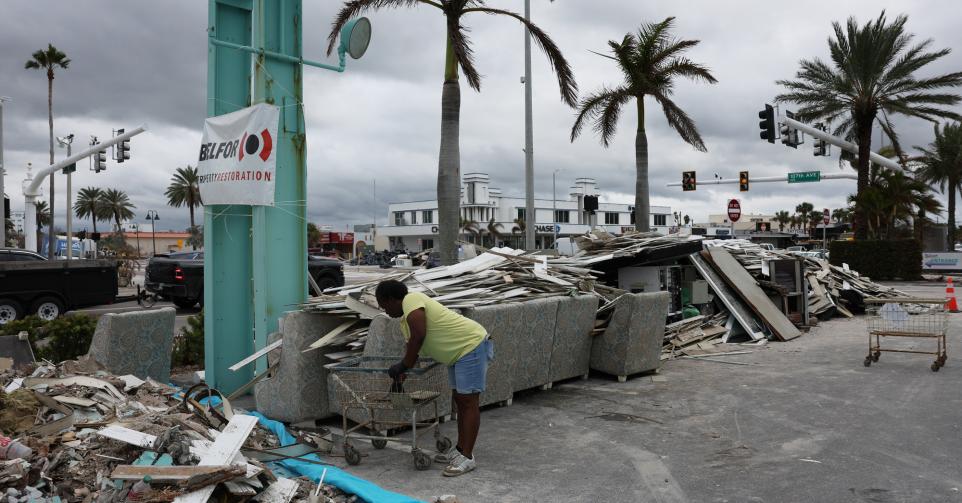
(336, 477)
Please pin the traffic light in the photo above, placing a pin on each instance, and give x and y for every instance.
(591, 203)
(790, 136)
(743, 181)
(821, 147)
(688, 181)
(100, 161)
(123, 148)
(767, 124)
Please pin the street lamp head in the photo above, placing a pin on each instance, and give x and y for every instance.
(355, 37)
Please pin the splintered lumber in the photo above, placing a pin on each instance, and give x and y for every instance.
(126, 435)
(281, 491)
(173, 473)
(225, 447)
(250, 359)
(745, 285)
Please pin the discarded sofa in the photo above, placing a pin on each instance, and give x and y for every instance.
(633, 339)
(297, 390)
(137, 343)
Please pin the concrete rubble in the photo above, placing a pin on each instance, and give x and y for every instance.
(85, 435)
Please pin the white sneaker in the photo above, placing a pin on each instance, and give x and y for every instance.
(446, 457)
(459, 466)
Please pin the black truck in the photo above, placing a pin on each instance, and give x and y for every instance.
(179, 277)
(31, 284)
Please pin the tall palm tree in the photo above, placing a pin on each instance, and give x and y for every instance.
(803, 210)
(814, 218)
(782, 217)
(651, 63)
(184, 190)
(49, 59)
(458, 54)
(89, 204)
(871, 78)
(118, 205)
(941, 164)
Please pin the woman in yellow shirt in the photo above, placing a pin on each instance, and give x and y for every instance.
(460, 343)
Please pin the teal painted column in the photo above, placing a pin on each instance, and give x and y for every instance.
(280, 232)
(255, 257)
(228, 294)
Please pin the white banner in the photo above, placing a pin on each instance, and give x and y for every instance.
(942, 261)
(238, 154)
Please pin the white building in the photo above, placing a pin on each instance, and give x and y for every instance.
(16, 218)
(414, 225)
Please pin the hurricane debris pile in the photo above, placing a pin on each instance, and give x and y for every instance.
(71, 432)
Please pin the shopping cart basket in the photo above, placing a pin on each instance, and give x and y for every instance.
(364, 384)
(906, 317)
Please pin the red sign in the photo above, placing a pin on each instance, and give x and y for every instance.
(825, 216)
(734, 210)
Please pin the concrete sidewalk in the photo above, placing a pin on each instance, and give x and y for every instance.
(804, 422)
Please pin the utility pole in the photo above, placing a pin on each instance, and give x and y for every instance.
(554, 204)
(3, 228)
(66, 141)
(529, 211)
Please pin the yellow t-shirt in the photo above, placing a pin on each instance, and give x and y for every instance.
(449, 335)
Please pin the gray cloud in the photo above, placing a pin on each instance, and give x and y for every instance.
(139, 62)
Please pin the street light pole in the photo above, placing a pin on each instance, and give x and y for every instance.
(66, 141)
(554, 204)
(152, 216)
(529, 211)
(3, 228)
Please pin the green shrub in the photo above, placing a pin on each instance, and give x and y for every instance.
(64, 338)
(189, 344)
(880, 260)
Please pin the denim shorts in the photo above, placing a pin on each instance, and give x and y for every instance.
(467, 375)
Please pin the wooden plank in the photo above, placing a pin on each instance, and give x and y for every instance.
(738, 310)
(250, 359)
(330, 335)
(73, 400)
(225, 447)
(166, 473)
(281, 491)
(747, 288)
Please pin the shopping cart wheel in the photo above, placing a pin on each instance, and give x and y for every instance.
(443, 444)
(935, 367)
(379, 443)
(422, 461)
(868, 361)
(352, 455)
(876, 355)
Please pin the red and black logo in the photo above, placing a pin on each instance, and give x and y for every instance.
(254, 143)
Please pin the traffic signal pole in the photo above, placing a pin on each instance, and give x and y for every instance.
(840, 143)
(31, 191)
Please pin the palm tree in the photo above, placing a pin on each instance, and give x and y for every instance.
(840, 215)
(782, 217)
(468, 226)
(803, 210)
(871, 78)
(793, 222)
(183, 190)
(458, 54)
(650, 62)
(117, 204)
(196, 237)
(89, 204)
(48, 59)
(494, 230)
(941, 164)
(43, 219)
(815, 218)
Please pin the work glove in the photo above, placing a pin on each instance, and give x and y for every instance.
(397, 370)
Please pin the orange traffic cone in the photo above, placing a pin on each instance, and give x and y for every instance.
(952, 305)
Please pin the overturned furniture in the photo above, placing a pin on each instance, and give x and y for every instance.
(137, 343)
(633, 339)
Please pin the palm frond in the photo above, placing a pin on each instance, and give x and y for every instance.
(591, 106)
(681, 122)
(355, 8)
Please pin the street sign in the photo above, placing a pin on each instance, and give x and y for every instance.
(804, 176)
(826, 216)
(70, 168)
(734, 210)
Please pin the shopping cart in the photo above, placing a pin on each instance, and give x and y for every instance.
(364, 384)
(906, 317)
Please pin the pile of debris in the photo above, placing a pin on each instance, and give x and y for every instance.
(73, 433)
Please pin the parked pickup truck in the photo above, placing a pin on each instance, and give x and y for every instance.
(31, 284)
(179, 277)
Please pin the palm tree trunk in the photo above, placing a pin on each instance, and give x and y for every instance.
(50, 240)
(953, 187)
(864, 149)
(449, 162)
(642, 200)
(94, 220)
(191, 208)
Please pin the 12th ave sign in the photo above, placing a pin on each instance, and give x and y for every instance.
(805, 176)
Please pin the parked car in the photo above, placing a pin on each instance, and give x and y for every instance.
(179, 277)
(795, 249)
(31, 284)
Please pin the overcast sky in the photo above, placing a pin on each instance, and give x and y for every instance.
(138, 61)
